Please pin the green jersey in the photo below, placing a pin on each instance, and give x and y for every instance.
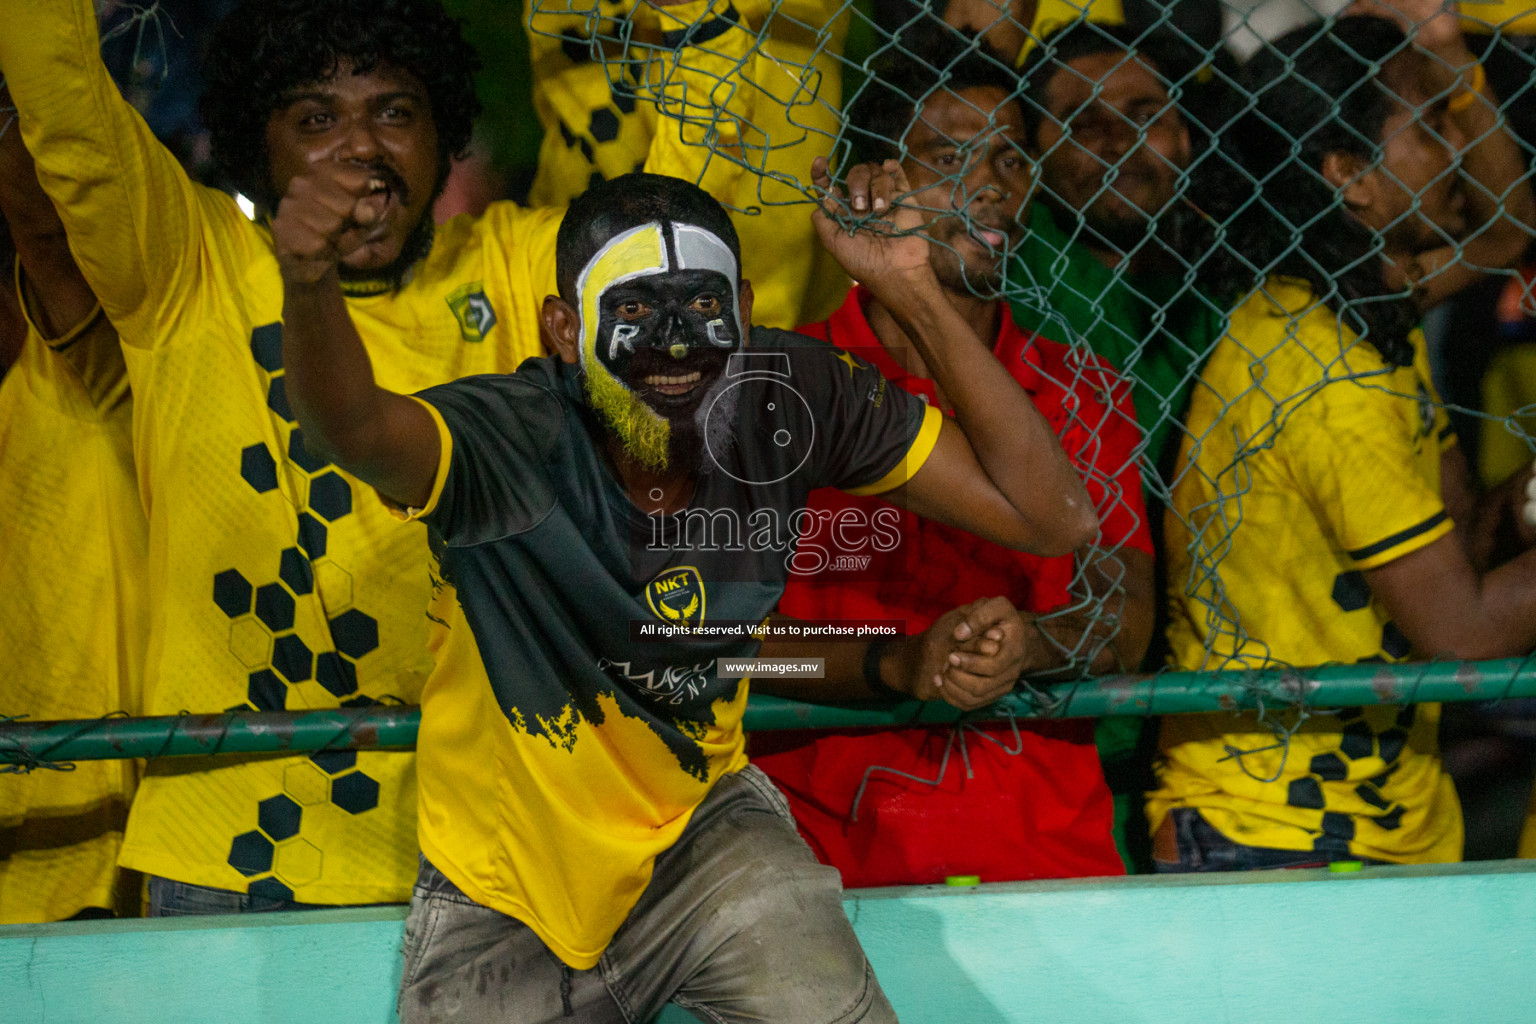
(1153, 327)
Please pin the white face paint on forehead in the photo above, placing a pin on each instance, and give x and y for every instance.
(700, 249)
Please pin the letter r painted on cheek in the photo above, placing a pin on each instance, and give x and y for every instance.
(623, 337)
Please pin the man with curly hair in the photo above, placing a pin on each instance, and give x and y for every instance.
(273, 582)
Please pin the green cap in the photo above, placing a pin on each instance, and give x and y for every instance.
(1341, 866)
(963, 880)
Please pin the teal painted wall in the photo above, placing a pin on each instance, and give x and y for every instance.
(1388, 945)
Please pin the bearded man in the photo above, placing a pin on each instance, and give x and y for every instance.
(593, 839)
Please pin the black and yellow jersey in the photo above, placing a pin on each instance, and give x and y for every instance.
(782, 68)
(565, 740)
(1308, 460)
(274, 580)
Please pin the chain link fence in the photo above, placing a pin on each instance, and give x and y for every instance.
(1327, 179)
(1247, 210)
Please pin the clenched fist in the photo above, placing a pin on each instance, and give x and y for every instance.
(330, 212)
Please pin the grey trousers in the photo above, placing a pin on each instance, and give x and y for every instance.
(739, 923)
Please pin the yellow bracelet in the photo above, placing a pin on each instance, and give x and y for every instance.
(1470, 91)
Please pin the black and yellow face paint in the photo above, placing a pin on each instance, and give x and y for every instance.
(658, 320)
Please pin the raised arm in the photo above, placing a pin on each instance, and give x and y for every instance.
(383, 438)
(132, 215)
(63, 299)
(1001, 474)
(687, 63)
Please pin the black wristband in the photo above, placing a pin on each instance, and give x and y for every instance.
(872, 656)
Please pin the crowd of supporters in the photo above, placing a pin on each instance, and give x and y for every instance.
(1233, 290)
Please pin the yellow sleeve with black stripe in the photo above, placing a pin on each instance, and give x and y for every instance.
(1359, 456)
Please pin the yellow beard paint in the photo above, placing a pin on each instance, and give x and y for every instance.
(634, 253)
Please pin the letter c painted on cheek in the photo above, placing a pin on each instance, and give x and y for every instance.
(716, 326)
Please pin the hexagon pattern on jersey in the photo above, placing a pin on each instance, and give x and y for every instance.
(1358, 740)
(258, 468)
(277, 399)
(267, 347)
(275, 607)
(276, 850)
(1350, 591)
(354, 633)
(334, 762)
(278, 816)
(597, 134)
(355, 793)
(232, 593)
(251, 853)
(312, 537)
(295, 572)
(266, 691)
(293, 659)
(264, 611)
(330, 496)
(336, 674)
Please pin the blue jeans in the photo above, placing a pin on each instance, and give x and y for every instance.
(169, 898)
(1202, 848)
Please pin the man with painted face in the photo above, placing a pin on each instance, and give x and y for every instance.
(585, 799)
(273, 583)
(693, 327)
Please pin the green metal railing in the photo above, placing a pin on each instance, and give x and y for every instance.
(28, 743)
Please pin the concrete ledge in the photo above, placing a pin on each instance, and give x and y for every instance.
(1398, 945)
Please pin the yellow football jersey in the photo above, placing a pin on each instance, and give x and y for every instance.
(1309, 460)
(1508, 17)
(75, 546)
(274, 580)
(784, 68)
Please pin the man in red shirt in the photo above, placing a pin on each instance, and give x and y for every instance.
(1025, 800)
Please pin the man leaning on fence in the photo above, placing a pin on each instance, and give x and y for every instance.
(274, 582)
(993, 799)
(1322, 510)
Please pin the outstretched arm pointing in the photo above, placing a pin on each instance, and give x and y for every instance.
(382, 438)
